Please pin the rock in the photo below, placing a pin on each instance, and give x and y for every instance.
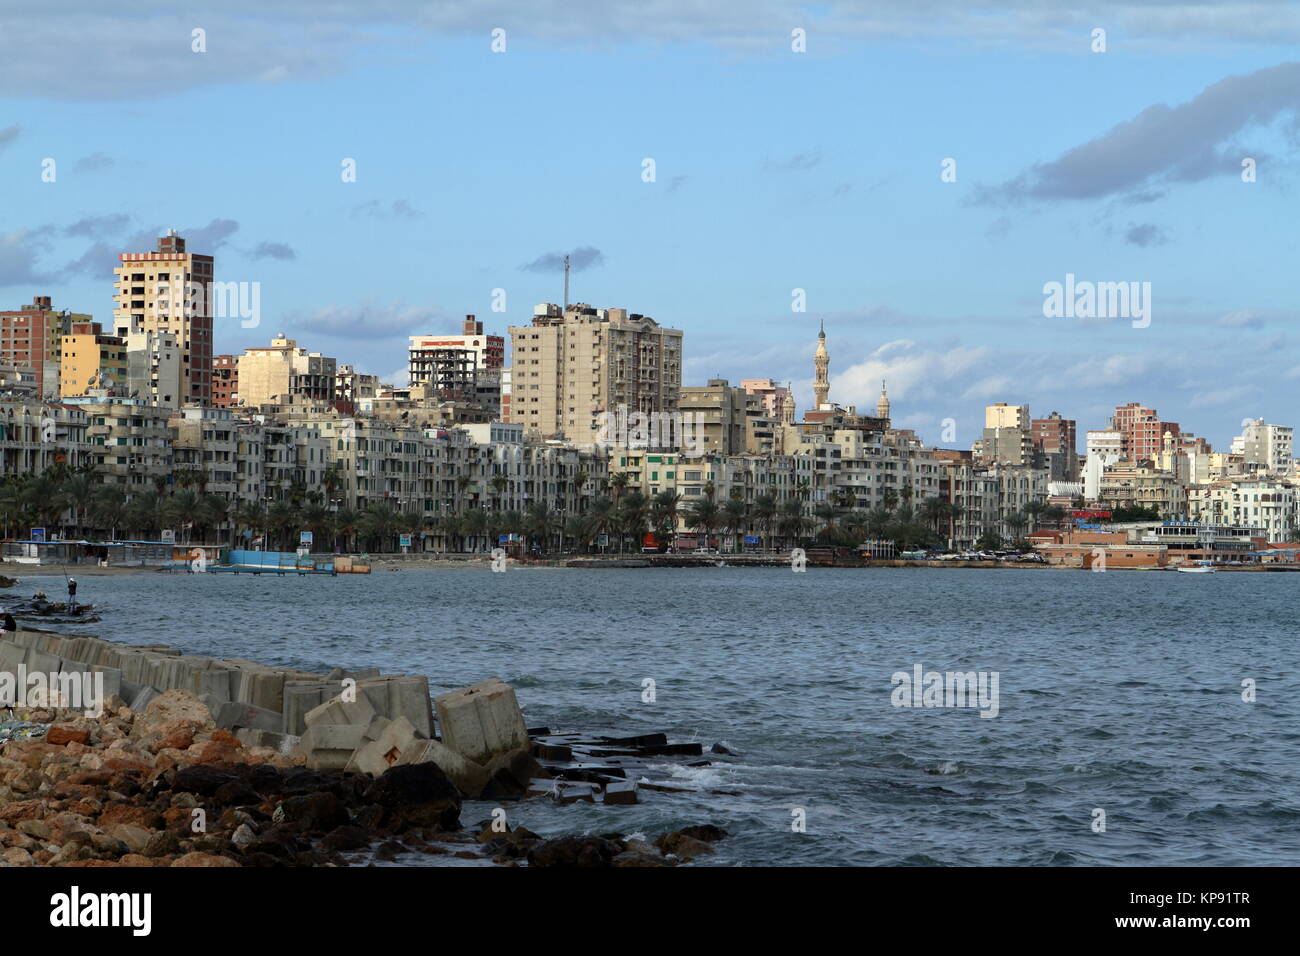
(705, 832)
(638, 853)
(62, 734)
(469, 777)
(34, 828)
(320, 812)
(243, 835)
(203, 859)
(510, 774)
(345, 838)
(174, 705)
(135, 838)
(161, 843)
(15, 856)
(203, 779)
(236, 793)
(416, 795)
(573, 852)
(682, 846)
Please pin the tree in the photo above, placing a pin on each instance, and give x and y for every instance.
(735, 514)
(704, 516)
(765, 512)
(792, 524)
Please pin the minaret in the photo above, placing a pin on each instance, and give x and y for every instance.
(822, 378)
(882, 406)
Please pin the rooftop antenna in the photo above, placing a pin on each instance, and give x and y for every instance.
(566, 283)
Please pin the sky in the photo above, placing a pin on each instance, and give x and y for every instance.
(912, 173)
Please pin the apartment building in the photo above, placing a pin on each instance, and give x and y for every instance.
(1267, 504)
(225, 380)
(1142, 431)
(169, 292)
(571, 366)
(1136, 485)
(1270, 447)
(31, 337)
(130, 440)
(91, 359)
(281, 373)
(36, 435)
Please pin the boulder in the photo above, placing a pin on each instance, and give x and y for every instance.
(574, 852)
(415, 796)
(469, 777)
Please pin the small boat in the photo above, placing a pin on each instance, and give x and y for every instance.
(1199, 569)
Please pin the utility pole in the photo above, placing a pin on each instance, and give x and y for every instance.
(566, 283)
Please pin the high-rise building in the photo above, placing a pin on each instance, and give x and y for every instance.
(1141, 430)
(1008, 435)
(571, 366)
(170, 291)
(91, 359)
(31, 337)
(282, 373)
(1270, 447)
(1055, 439)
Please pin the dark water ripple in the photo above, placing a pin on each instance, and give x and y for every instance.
(1119, 691)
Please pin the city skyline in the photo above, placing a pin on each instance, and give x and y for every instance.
(760, 189)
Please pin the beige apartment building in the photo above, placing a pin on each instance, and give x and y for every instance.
(572, 365)
(722, 419)
(91, 359)
(153, 295)
(281, 372)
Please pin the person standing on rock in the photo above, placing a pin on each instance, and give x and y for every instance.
(72, 595)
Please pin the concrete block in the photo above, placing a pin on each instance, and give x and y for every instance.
(216, 681)
(112, 679)
(11, 655)
(303, 696)
(468, 776)
(482, 720)
(338, 711)
(330, 746)
(621, 794)
(260, 686)
(43, 662)
(405, 696)
(385, 750)
(235, 714)
(141, 700)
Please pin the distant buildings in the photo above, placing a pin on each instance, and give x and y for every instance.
(169, 292)
(573, 365)
(283, 373)
(31, 338)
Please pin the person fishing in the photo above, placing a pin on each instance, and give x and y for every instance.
(72, 595)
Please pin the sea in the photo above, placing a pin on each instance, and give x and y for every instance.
(1127, 718)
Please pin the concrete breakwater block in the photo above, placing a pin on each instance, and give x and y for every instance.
(330, 746)
(470, 778)
(233, 714)
(402, 696)
(303, 696)
(482, 720)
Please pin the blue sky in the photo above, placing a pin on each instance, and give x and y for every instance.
(775, 170)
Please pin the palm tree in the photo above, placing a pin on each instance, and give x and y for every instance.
(891, 499)
(632, 513)
(663, 515)
(617, 483)
(765, 511)
(1016, 523)
(734, 515)
(933, 511)
(540, 523)
(1032, 510)
(78, 492)
(792, 524)
(475, 524)
(108, 509)
(499, 484)
(704, 516)
(251, 518)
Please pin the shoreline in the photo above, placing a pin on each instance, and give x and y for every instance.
(228, 763)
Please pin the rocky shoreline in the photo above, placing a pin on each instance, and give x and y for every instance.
(164, 784)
